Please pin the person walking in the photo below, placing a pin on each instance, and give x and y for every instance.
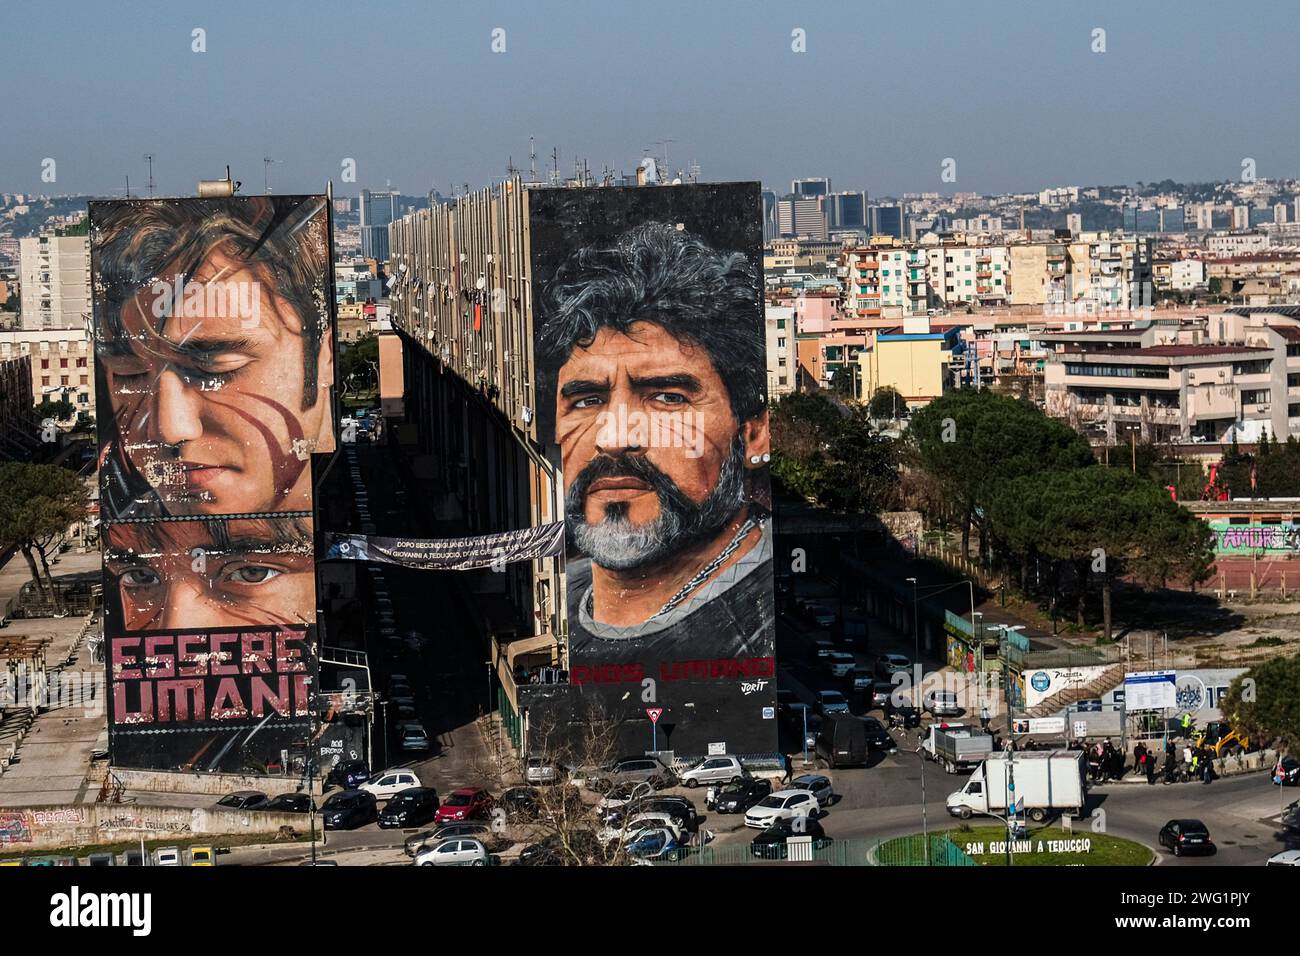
(1186, 725)
(984, 717)
(1151, 768)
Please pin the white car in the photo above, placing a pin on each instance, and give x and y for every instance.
(414, 737)
(1285, 858)
(642, 821)
(460, 852)
(623, 794)
(714, 770)
(942, 703)
(819, 786)
(540, 771)
(390, 783)
(782, 805)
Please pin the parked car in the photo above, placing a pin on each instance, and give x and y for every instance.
(390, 783)
(552, 852)
(881, 691)
(840, 663)
(887, 665)
(782, 805)
(902, 715)
(638, 769)
(831, 702)
(539, 770)
(454, 853)
(414, 738)
(816, 784)
(878, 737)
(821, 649)
(1186, 836)
(445, 831)
(714, 770)
(623, 794)
(1285, 858)
(654, 845)
(942, 703)
(521, 803)
(412, 807)
(740, 796)
(349, 809)
(773, 842)
(349, 774)
(679, 808)
(242, 800)
(465, 804)
(629, 831)
(861, 678)
(288, 803)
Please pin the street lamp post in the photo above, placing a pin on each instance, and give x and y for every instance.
(916, 660)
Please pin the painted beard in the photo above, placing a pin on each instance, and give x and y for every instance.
(618, 545)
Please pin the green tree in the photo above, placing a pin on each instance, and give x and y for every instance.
(359, 365)
(886, 402)
(37, 504)
(60, 410)
(973, 440)
(1104, 523)
(1267, 710)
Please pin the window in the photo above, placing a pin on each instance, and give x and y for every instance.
(1116, 371)
(781, 362)
(1293, 379)
(1293, 411)
(63, 363)
(45, 380)
(782, 379)
(81, 363)
(1257, 367)
(780, 323)
(1254, 396)
(63, 380)
(780, 342)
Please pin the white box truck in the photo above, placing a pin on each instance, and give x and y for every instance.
(1046, 781)
(956, 747)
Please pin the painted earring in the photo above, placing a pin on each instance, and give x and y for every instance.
(754, 459)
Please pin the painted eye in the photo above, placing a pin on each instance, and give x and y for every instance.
(670, 398)
(590, 401)
(140, 578)
(252, 574)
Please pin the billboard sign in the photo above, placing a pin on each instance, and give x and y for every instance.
(449, 554)
(214, 362)
(1151, 690)
(652, 374)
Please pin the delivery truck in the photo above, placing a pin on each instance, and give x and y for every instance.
(1046, 782)
(957, 746)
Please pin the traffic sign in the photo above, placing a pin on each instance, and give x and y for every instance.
(653, 713)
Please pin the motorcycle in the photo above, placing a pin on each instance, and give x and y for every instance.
(1177, 772)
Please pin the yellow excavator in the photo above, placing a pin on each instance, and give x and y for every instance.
(1220, 737)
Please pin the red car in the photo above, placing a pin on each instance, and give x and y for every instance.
(464, 804)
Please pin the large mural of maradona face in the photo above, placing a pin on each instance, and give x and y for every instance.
(652, 375)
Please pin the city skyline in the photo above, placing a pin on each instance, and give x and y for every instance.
(461, 112)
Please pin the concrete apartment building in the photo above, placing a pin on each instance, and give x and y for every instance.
(62, 365)
(1236, 244)
(55, 279)
(1233, 374)
(914, 359)
(780, 330)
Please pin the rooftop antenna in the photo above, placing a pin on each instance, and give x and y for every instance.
(128, 186)
(149, 159)
(555, 165)
(510, 168)
(532, 161)
(267, 161)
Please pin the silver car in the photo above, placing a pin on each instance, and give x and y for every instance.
(714, 770)
(540, 771)
(454, 853)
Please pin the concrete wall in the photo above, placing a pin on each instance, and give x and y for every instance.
(49, 827)
(218, 784)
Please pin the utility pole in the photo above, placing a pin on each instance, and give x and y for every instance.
(149, 159)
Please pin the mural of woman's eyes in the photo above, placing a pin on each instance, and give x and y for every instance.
(140, 578)
(250, 574)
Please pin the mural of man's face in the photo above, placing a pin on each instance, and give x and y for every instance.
(653, 456)
(210, 408)
(189, 580)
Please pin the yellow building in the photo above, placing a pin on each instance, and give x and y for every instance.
(916, 364)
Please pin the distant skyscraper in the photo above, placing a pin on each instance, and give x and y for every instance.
(815, 186)
(378, 211)
(846, 210)
(885, 221)
(801, 216)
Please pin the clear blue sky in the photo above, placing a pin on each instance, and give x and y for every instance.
(412, 91)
